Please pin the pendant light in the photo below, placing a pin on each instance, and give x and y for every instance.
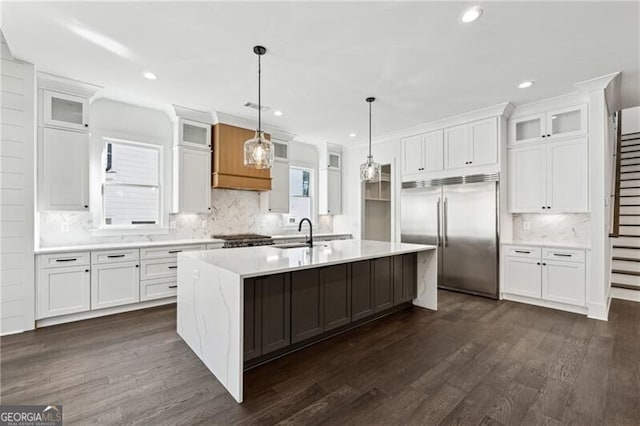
(258, 151)
(370, 170)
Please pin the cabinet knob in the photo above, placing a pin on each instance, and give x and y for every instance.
(544, 264)
(538, 263)
(137, 266)
(543, 207)
(548, 207)
(86, 125)
(208, 208)
(86, 206)
(86, 270)
(470, 162)
(544, 136)
(548, 136)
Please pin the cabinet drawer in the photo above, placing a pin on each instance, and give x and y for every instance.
(63, 259)
(523, 251)
(158, 268)
(566, 255)
(167, 251)
(158, 289)
(111, 256)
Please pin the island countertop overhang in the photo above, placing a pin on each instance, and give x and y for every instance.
(250, 262)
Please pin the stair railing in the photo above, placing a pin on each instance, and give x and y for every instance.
(615, 223)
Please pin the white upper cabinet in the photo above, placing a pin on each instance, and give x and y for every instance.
(280, 151)
(194, 134)
(64, 110)
(333, 160)
(423, 153)
(473, 144)
(63, 165)
(277, 200)
(330, 192)
(527, 179)
(191, 180)
(553, 124)
(568, 176)
(456, 147)
(567, 122)
(550, 177)
(484, 142)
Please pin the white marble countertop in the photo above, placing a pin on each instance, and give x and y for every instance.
(302, 235)
(266, 260)
(136, 244)
(568, 245)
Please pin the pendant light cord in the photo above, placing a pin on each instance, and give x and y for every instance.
(259, 100)
(369, 129)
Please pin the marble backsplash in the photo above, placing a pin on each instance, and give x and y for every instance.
(232, 212)
(555, 228)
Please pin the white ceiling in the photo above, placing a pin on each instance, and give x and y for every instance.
(324, 59)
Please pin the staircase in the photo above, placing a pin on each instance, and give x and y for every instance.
(625, 265)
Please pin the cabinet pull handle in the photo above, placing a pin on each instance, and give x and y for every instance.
(173, 267)
(174, 251)
(111, 256)
(523, 251)
(71, 259)
(173, 286)
(562, 255)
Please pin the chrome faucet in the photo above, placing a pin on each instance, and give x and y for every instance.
(310, 240)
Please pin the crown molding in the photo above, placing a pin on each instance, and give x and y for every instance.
(597, 83)
(67, 85)
(208, 117)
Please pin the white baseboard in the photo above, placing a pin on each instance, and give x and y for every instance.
(46, 322)
(545, 303)
(625, 294)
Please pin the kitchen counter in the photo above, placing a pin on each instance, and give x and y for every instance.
(211, 286)
(249, 262)
(565, 245)
(115, 246)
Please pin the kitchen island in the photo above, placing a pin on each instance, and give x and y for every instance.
(244, 306)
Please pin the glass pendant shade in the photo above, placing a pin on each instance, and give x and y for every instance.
(370, 171)
(258, 152)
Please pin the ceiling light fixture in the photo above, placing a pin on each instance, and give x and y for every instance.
(525, 84)
(370, 170)
(471, 15)
(150, 76)
(258, 151)
(352, 135)
(277, 113)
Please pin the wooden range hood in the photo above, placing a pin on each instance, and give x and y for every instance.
(227, 160)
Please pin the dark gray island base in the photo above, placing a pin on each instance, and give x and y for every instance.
(289, 311)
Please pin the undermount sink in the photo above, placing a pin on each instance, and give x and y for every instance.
(296, 245)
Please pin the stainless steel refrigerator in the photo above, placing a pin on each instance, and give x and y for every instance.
(460, 216)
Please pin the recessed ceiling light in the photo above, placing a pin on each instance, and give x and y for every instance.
(277, 113)
(149, 75)
(525, 84)
(352, 135)
(471, 15)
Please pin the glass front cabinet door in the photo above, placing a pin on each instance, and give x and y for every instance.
(195, 134)
(527, 129)
(567, 122)
(64, 110)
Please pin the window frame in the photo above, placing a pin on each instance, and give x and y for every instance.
(160, 226)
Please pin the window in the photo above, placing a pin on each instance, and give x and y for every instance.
(300, 195)
(131, 185)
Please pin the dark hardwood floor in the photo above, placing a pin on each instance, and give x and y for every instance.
(475, 361)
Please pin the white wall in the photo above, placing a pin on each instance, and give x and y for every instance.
(17, 173)
(631, 120)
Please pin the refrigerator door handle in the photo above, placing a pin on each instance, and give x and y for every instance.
(438, 242)
(444, 224)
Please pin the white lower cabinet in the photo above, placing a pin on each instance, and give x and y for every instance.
(522, 276)
(563, 282)
(548, 275)
(115, 284)
(75, 282)
(62, 291)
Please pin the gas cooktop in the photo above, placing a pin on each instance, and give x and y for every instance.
(244, 240)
